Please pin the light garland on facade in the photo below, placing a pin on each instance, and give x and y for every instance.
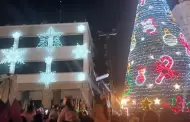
(48, 76)
(13, 55)
(50, 39)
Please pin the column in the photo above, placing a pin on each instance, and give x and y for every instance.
(25, 95)
(46, 98)
(56, 97)
(87, 96)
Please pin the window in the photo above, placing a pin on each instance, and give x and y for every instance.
(67, 66)
(30, 68)
(28, 42)
(36, 67)
(4, 69)
(6, 43)
(68, 40)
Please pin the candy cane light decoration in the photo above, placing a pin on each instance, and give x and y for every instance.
(164, 68)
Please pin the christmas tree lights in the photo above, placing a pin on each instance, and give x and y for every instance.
(159, 47)
(81, 51)
(50, 39)
(13, 55)
(48, 76)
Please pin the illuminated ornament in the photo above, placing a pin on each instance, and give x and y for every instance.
(132, 62)
(133, 43)
(157, 101)
(81, 51)
(178, 53)
(142, 39)
(150, 86)
(50, 39)
(123, 101)
(177, 87)
(137, 15)
(142, 2)
(169, 39)
(134, 102)
(128, 81)
(184, 43)
(173, 20)
(146, 104)
(48, 76)
(151, 56)
(150, 7)
(179, 105)
(140, 80)
(81, 28)
(13, 55)
(164, 23)
(149, 26)
(164, 68)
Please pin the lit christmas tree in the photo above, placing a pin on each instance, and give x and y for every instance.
(159, 56)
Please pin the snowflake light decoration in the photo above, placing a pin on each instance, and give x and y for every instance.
(48, 76)
(50, 39)
(81, 51)
(13, 56)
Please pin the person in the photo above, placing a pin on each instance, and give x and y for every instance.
(68, 114)
(53, 115)
(29, 112)
(150, 116)
(134, 118)
(38, 117)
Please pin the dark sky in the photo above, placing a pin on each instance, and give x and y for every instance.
(101, 14)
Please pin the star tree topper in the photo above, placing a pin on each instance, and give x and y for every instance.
(50, 39)
(81, 51)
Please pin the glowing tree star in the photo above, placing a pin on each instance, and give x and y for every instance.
(48, 76)
(13, 55)
(81, 51)
(50, 39)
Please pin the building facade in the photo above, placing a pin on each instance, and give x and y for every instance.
(55, 53)
(182, 16)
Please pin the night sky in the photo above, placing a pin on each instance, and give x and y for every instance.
(101, 14)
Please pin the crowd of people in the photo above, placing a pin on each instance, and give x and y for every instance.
(58, 113)
(150, 116)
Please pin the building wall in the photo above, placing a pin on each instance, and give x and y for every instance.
(37, 95)
(63, 53)
(182, 16)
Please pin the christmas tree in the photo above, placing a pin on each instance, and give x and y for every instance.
(159, 57)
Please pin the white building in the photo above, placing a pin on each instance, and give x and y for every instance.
(72, 75)
(182, 16)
